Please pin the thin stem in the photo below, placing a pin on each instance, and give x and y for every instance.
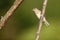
(9, 13)
(41, 20)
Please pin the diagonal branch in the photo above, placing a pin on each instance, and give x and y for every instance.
(41, 19)
(9, 13)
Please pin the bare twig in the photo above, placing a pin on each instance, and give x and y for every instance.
(9, 12)
(41, 19)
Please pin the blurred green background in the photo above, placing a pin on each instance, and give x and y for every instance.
(23, 23)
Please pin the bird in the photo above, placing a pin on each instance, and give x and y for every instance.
(38, 14)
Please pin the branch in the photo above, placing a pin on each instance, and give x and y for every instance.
(41, 19)
(9, 13)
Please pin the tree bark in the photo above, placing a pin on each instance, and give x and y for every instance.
(9, 13)
(41, 20)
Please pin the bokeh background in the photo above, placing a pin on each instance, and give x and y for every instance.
(23, 23)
